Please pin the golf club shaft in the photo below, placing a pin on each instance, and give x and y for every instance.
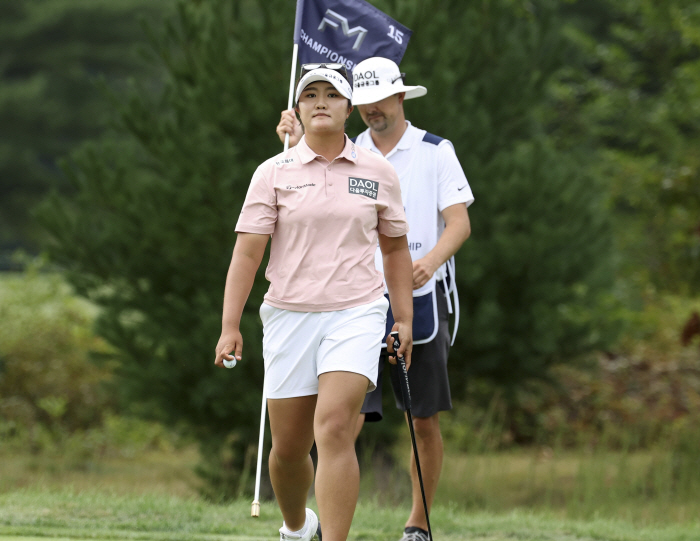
(406, 394)
(420, 474)
(255, 508)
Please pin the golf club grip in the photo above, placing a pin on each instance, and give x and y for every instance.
(403, 373)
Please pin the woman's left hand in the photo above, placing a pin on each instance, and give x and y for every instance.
(406, 339)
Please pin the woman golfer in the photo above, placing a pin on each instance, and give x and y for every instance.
(326, 203)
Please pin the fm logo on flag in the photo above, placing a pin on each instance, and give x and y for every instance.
(349, 32)
(358, 30)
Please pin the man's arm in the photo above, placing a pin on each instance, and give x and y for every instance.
(457, 230)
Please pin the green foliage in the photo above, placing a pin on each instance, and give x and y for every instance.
(57, 398)
(148, 232)
(630, 95)
(48, 386)
(645, 395)
(535, 272)
(53, 52)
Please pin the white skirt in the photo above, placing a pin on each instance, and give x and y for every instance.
(300, 346)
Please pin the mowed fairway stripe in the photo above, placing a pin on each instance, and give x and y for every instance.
(15, 538)
(142, 536)
(133, 536)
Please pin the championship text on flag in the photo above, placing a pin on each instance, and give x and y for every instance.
(347, 32)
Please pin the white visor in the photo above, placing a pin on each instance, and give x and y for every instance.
(322, 74)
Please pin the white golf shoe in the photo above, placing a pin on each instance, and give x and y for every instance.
(310, 532)
(415, 534)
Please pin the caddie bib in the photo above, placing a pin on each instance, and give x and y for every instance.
(419, 191)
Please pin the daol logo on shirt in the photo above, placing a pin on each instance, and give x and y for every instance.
(362, 186)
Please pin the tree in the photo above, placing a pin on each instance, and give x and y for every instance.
(532, 274)
(632, 96)
(148, 230)
(53, 53)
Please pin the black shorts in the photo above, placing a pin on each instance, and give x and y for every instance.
(427, 376)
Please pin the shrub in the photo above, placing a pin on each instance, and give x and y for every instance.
(47, 380)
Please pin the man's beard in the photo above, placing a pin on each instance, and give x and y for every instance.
(378, 123)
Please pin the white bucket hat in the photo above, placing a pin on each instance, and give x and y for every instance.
(324, 74)
(378, 78)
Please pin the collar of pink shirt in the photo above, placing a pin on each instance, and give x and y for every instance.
(307, 155)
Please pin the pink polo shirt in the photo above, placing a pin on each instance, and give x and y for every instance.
(324, 219)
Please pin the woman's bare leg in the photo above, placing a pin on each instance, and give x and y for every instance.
(340, 397)
(291, 469)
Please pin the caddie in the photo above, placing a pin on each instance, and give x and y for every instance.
(436, 195)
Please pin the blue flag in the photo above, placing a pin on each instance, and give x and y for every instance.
(347, 32)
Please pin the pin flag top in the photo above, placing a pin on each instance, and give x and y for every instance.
(347, 32)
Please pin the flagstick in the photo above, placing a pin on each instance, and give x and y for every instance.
(295, 52)
(255, 507)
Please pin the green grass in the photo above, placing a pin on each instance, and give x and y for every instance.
(123, 479)
(69, 514)
(650, 486)
(555, 495)
(168, 472)
(646, 487)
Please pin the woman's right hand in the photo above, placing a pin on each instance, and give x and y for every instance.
(230, 344)
(289, 123)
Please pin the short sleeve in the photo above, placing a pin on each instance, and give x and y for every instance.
(453, 187)
(259, 212)
(392, 219)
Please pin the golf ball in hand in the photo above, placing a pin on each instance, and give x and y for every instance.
(230, 364)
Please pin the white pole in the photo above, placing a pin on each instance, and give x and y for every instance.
(255, 509)
(290, 101)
